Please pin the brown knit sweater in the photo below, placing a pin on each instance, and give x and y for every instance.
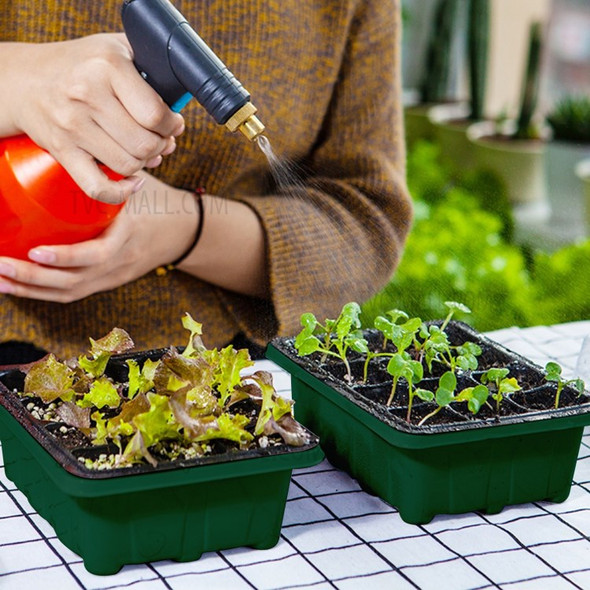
(324, 75)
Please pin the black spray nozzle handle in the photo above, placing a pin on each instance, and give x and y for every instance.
(177, 63)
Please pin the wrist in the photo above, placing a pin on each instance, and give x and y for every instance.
(195, 211)
(17, 59)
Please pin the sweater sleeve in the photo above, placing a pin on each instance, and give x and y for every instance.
(337, 234)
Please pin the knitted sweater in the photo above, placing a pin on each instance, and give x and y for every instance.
(324, 75)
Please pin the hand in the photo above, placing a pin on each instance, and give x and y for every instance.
(154, 228)
(83, 100)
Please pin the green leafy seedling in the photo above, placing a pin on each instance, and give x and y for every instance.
(401, 335)
(401, 366)
(101, 350)
(475, 397)
(453, 307)
(465, 356)
(333, 338)
(501, 384)
(435, 346)
(445, 394)
(386, 324)
(554, 370)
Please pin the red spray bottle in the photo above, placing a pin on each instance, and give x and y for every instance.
(40, 204)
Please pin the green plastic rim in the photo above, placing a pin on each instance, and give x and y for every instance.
(294, 458)
(399, 433)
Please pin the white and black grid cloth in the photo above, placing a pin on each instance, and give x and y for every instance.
(335, 535)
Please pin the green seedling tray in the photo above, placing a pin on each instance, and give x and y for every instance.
(174, 513)
(482, 465)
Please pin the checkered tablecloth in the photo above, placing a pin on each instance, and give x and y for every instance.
(335, 535)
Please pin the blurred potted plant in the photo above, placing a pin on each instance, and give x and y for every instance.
(434, 87)
(514, 148)
(569, 121)
(452, 120)
(432, 416)
(136, 457)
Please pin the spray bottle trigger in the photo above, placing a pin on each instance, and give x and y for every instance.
(181, 102)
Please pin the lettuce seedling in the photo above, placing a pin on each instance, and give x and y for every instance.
(102, 393)
(275, 415)
(141, 380)
(333, 338)
(115, 342)
(229, 427)
(227, 373)
(195, 343)
(554, 370)
(50, 380)
(172, 406)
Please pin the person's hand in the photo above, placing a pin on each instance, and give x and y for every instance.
(156, 226)
(83, 100)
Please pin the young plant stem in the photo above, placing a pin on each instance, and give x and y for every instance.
(559, 390)
(341, 356)
(428, 416)
(369, 358)
(410, 400)
(366, 369)
(348, 376)
(393, 388)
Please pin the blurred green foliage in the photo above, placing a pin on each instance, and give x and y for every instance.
(561, 285)
(461, 249)
(570, 119)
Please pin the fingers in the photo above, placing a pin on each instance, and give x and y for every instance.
(143, 103)
(61, 274)
(71, 256)
(137, 241)
(101, 110)
(119, 137)
(80, 160)
(109, 68)
(85, 172)
(31, 281)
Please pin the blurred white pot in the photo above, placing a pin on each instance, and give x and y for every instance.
(564, 189)
(519, 162)
(450, 129)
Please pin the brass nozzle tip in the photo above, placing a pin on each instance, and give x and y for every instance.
(246, 121)
(252, 127)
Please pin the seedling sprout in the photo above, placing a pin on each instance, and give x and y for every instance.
(554, 374)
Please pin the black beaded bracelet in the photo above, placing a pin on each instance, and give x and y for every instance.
(198, 194)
